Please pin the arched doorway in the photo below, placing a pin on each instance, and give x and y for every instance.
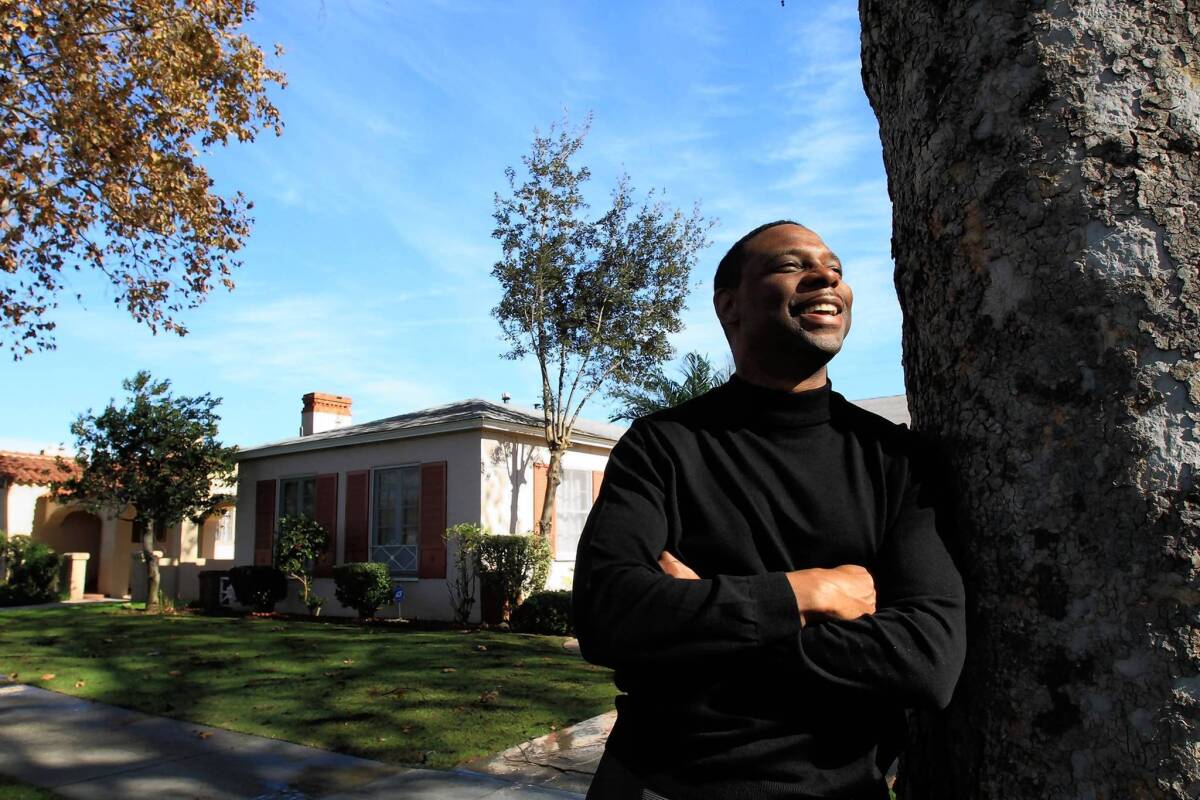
(77, 532)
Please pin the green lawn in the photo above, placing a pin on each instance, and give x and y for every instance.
(434, 698)
(12, 789)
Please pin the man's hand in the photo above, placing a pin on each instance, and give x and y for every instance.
(676, 568)
(842, 593)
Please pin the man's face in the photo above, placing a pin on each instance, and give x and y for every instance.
(791, 310)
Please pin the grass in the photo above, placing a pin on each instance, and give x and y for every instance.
(431, 698)
(12, 789)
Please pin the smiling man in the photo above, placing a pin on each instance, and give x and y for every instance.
(763, 568)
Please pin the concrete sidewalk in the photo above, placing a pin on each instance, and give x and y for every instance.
(92, 751)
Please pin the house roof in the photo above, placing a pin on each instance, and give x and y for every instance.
(34, 469)
(474, 414)
(893, 409)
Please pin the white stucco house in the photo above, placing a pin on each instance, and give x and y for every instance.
(387, 490)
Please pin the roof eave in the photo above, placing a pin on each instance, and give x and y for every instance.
(479, 423)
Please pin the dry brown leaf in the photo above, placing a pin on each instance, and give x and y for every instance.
(47, 676)
(481, 647)
(80, 684)
(203, 734)
(175, 673)
(449, 669)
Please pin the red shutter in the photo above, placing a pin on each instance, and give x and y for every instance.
(264, 522)
(541, 475)
(597, 479)
(433, 520)
(358, 515)
(325, 513)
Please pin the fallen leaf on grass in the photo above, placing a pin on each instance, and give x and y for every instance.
(80, 684)
(14, 675)
(175, 673)
(449, 669)
(489, 697)
(47, 676)
(481, 647)
(347, 660)
(406, 729)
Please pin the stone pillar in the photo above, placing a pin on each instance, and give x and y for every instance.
(111, 577)
(74, 574)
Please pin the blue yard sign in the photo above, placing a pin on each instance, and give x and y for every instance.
(398, 595)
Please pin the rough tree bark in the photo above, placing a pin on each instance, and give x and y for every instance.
(1043, 164)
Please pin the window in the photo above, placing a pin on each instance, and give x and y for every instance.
(223, 537)
(395, 518)
(298, 496)
(572, 504)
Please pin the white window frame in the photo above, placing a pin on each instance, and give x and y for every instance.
(384, 553)
(279, 512)
(562, 553)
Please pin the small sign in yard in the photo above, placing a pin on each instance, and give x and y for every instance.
(397, 598)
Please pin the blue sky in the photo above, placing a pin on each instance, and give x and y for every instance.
(368, 269)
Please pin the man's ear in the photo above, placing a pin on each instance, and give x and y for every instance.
(725, 304)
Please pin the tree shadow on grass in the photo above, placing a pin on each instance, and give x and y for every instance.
(409, 697)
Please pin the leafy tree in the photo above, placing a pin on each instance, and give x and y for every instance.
(301, 541)
(156, 456)
(592, 299)
(660, 392)
(104, 108)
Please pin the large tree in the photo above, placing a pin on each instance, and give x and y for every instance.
(1044, 162)
(104, 109)
(592, 299)
(156, 457)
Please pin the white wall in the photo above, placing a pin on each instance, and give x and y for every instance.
(426, 598)
(21, 507)
(506, 491)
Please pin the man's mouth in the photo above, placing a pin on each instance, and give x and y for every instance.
(822, 307)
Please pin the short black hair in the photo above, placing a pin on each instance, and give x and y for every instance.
(729, 271)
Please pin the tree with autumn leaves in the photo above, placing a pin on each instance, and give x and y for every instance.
(105, 108)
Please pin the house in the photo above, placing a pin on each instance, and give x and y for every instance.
(29, 508)
(386, 490)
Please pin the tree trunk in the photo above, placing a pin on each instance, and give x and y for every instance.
(152, 577)
(1042, 162)
(553, 479)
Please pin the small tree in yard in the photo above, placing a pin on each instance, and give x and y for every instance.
(465, 539)
(157, 454)
(301, 541)
(592, 299)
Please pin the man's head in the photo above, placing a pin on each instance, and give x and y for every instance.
(782, 303)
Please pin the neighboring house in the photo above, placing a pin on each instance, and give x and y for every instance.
(387, 490)
(893, 408)
(27, 508)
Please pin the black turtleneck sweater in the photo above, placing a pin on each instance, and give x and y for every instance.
(725, 694)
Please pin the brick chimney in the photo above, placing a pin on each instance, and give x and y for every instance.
(324, 412)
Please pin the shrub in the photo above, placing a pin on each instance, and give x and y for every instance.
(465, 539)
(517, 564)
(363, 587)
(258, 586)
(301, 541)
(32, 570)
(545, 612)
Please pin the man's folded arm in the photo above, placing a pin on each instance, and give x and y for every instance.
(911, 650)
(628, 612)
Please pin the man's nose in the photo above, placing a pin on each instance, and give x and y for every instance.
(822, 275)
